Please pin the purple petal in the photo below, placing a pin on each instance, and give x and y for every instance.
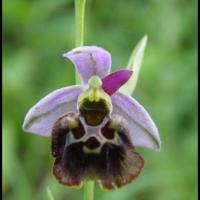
(89, 61)
(143, 130)
(114, 81)
(42, 116)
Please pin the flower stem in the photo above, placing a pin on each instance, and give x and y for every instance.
(88, 190)
(79, 24)
(79, 41)
(79, 17)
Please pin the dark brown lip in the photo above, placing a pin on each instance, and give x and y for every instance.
(92, 143)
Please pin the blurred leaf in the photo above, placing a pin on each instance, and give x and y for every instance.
(9, 147)
(49, 194)
(134, 64)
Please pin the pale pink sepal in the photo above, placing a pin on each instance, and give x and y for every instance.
(89, 61)
(143, 130)
(42, 116)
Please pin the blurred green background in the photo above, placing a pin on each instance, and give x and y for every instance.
(36, 33)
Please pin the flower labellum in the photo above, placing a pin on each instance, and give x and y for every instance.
(94, 128)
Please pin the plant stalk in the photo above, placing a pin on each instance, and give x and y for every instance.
(88, 190)
(88, 187)
(79, 20)
(79, 26)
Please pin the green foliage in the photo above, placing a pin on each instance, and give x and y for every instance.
(135, 64)
(37, 33)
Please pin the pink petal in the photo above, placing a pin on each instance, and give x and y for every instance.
(89, 61)
(143, 130)
(115, 80)
(42, 116)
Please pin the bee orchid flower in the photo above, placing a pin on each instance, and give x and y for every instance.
(95, 129)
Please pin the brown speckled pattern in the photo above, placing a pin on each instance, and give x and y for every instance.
(114, 166)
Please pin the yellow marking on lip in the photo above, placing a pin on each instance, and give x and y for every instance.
(94, 95)
(72, 123)
(91, 95)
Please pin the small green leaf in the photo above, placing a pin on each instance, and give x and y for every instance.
(134, 64)
(49, 194)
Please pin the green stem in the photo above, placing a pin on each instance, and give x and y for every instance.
(79, 23)
(79, 41)
(79, 17)
(88, 190)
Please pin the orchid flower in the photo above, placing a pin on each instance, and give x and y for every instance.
(94, 127)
